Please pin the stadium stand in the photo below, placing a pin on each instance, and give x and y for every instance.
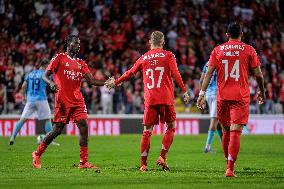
(114, 33)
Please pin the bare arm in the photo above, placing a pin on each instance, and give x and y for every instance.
(260, 81)
(259, 78)
(205, 82)
(202, 78)
(91, 80)
(207, 78)
(49, 82)
(24, 90)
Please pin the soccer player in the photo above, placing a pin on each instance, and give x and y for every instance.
(68, 72)
(211, 100)
(157, 66)
(34, 92)
(232, 60)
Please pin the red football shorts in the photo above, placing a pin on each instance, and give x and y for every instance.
(64, 115)
(232, 112)
(155, 113)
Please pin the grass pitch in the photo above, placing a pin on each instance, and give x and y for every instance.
(260, 164)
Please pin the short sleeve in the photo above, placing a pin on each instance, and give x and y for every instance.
(213, 60)
(85, 68)
(54, 63)
(254, 60)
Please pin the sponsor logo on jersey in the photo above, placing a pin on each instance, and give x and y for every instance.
(154, 55)
(74, 75)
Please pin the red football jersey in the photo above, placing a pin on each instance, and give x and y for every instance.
(68, 73)
(157, 66)
(233, 60)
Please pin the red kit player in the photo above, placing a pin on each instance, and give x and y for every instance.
(68, 72)
(158, 66)
(233, 60)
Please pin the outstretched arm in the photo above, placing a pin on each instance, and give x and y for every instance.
(91, 80)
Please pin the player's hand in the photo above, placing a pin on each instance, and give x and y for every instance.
(260, 97)
(110, 83)
(186, 98)
(201, 102)
(53, 87)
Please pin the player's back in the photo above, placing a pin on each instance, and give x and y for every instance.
(158, 86)
(36, 86)
(233, 60)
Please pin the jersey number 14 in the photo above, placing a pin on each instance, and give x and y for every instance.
(150, 73)
(235, 72)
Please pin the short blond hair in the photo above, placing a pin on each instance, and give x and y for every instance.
(157, 38)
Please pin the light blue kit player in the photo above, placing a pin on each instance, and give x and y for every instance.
(34, 92)
(211, 99)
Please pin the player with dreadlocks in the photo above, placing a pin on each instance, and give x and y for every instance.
(68, 71)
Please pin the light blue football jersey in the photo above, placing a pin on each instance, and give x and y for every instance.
(36, 86)
(212, 87)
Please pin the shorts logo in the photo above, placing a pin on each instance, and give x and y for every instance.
(67, 64)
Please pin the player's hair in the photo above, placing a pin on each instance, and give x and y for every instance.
(234, 30)
(157, 38)
(69, 39)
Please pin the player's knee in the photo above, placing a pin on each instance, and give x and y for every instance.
(148, 128)
(171, 125)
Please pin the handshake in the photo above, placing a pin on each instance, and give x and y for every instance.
(110, 83)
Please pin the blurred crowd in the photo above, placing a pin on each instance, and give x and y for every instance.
(114, 33)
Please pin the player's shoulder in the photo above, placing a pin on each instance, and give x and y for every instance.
(59, 56)
(81, 61)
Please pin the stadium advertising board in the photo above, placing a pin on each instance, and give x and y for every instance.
(131, 124)
(7, 126)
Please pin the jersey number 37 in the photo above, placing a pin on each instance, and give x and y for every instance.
(150, 73)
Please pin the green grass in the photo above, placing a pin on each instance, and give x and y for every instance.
(260, 164)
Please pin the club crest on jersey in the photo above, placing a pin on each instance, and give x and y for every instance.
(67, 64)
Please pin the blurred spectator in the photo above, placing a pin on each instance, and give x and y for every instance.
(115, 33)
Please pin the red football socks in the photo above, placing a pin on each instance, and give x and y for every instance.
(225, 143)
(83, 154)
(167, 141)
(234, 148)
(41, 148)
(145, 146)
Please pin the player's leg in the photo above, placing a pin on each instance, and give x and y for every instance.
(211, 132)
(212, 104)
(170, 118)
(44, 114)
(56, 131)
(83, 142)
(61, 117)
(151, 117)
(29, 109)
(239, 116)
(145, 146)
(219, 131)
(223, 114)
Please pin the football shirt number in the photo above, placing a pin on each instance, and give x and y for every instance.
(35, 84)
(150, 73)
(235, 72)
